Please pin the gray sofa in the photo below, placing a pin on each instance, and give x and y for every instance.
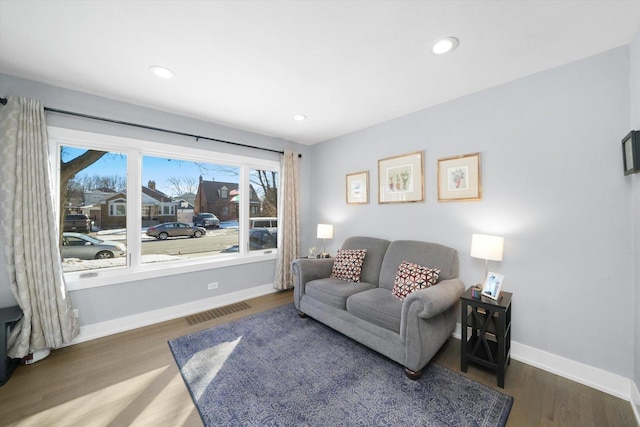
(409, 332)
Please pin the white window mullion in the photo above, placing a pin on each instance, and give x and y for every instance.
(134, 208)
(243, 210)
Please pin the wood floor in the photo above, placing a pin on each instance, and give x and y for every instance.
(131, 379)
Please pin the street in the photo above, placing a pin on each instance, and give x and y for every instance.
(216, 240)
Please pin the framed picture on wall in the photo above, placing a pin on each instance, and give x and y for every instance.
(401, 179)
(631, 152)
(459, 178)
(358, 188)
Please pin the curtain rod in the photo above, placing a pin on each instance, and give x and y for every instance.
(3, 101)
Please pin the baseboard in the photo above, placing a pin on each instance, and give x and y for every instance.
(596, 378)
(635, 401)
(122, 324)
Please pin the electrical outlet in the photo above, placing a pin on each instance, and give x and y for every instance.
(213, 285)
(75, 312)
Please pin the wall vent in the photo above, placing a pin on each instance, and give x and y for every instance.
(216, 312)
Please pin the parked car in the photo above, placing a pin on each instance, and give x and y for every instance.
(206, 220)
(175, 229)
(263, 238)
(259, 238)
(77, 245)
(77, 222)
(262, 221)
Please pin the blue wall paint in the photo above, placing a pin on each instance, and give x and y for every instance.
(552, 186)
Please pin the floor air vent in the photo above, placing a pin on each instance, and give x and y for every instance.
(216, 312)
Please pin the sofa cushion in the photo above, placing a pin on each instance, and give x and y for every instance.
(376, 249)
(348, 264)
(434, 255)
(411, 277)
(334, 292)
(377, 306)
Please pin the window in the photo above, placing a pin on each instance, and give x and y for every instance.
(263, 203)
(173, 207)
(168, 210)
(118, 208)
(212, 230)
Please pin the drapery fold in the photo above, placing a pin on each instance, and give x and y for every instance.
(29, 231)
(289, 222)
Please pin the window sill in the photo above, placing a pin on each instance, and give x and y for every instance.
(106, 277)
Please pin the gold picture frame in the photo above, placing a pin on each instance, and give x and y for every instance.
(357, 188)
(401, 179)
(459, 178)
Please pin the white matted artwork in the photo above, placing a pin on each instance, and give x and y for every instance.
(358, 188)
(459, 178)
(401, 179)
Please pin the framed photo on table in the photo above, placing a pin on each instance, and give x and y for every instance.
(358, 188)
(492, 286)
(400, 179)
(459, 178)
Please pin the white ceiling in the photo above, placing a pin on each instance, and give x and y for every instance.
(345, 64)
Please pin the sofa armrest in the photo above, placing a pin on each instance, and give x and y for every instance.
(435, 299)
(306, 270)
(428, 318)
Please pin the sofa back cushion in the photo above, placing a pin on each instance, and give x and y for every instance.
(376, 250)
(431, 255)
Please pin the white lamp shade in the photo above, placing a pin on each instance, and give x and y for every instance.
(487, 247)
(325, 231)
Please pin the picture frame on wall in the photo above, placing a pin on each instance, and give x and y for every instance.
(459, 178)
(631, 152)
(401, 179)
(358, 188)
(492, 286)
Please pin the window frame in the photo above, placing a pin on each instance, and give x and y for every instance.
(135, 150)
(114, 205)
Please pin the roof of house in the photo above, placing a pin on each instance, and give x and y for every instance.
(211, 190)
(155, 194)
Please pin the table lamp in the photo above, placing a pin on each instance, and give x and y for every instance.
(488, 248)
(325, 231)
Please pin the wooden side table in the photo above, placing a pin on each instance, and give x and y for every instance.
(8, 318)
(489, 344)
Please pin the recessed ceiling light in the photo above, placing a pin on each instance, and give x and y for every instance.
(162, 72)
(445, 45)
(299, 117)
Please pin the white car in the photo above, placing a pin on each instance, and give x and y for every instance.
(78, 245)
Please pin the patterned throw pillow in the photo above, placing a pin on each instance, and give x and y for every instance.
(411, 277)
(348, 264)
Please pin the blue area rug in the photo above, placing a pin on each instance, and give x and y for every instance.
(276, 369)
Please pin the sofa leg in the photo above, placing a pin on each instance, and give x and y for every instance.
(413, 375)
(301, 314)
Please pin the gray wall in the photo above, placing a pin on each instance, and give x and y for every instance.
(552, 186)
(635, 182)
(111, 302)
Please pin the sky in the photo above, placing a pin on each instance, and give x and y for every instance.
(155, 169)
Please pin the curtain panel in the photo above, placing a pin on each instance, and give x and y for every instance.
(29, 232)
(289, 212)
